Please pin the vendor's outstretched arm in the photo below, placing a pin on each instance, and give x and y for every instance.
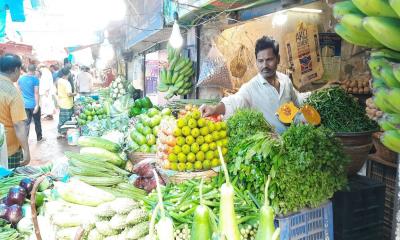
(218, 109)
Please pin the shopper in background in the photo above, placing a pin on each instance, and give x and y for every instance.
(84, 81)
(29, 86)
(65, 100)
(54, 71)
(12, 112)
(46, 92)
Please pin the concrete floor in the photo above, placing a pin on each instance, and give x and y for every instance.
(52, 148)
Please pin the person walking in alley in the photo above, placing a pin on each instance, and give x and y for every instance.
(84, 81)
(65, 100)
(12, 112)
(46, 92)
(29, 86)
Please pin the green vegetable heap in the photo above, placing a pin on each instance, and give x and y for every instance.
(307, 166)
(312, 169)
(340, 112)
(244, 123)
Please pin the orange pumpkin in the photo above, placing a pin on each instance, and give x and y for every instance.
(287, 112)
(311, 115)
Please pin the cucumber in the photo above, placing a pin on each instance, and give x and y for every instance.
(103, 153)
(87, 141)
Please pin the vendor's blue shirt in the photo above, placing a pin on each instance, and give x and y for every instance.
(27, 84)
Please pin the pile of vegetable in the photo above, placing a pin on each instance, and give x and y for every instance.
(118, 88)
(141, 106)
(181, 200)
(122, 218)
(190, 142)
(90, 112)
(144, 135)
(307, 166)
(244, 123)
(339, 111)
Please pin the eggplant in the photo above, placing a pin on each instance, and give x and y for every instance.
(16, 195)
(27, 184)
(3, 209)
(13, 214)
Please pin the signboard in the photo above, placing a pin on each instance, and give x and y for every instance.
(330, 44)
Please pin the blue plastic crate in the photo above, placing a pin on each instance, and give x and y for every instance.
(308, 224)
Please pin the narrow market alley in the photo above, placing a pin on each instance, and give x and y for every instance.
(52, 149)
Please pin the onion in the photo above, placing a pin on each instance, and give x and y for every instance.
(16, 195)
(13, 214)
(27, 184)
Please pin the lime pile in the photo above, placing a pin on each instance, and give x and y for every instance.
(146, 129)
(197, 140)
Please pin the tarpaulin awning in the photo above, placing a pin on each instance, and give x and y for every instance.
(190, 10)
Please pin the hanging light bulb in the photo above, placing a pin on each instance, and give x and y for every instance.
(176, 39)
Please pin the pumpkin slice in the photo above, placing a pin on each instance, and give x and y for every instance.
(287, 112)
(311, 115)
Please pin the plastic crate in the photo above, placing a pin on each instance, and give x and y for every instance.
(308, 224)
(386, 174)
(358, 210)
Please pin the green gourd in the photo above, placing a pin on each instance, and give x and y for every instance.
(201, 228)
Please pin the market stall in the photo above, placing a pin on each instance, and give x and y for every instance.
(145, 171)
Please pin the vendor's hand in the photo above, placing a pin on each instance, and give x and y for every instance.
(36, 109)
(206, 110)
(27, 159)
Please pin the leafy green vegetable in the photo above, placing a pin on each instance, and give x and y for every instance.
(312, 170)
(339, 111)
(307, 166)
(255, 157)
(244, 123)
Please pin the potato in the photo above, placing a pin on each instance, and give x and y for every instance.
(379, 113)
(350, 90)
(355, 90)
(353, 84)
(366, 90)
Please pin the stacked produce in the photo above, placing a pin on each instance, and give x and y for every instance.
(190, 143)
(145, 172)
(118, 88)
(141, 105)
(303, 150)
(176, 80)
(373, 112)
(245, 123)
(375, 24)
(357, 85)
(144, 135)
(339, 111)
(122, 218)
(89, 112)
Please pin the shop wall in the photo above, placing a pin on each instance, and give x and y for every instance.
(278, 25)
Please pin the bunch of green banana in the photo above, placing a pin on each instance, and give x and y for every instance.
(376, 24)
(176, 80)
(369, 23)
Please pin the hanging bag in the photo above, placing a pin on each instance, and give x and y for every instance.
(214, 71)
(238, 64)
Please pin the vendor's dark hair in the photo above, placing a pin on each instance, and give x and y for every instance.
(265, 43)
(9, 62)
(63, 72)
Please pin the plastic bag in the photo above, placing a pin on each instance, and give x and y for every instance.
(214, 71)
(238, 64)
(3, 147)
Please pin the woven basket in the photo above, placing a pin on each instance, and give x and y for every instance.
(179, 177)
(136, 157)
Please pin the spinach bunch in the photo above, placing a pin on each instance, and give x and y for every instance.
(255, 156)
(339, 111)
(312, 170)
(244, 123)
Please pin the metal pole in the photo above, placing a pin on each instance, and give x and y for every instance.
(396, 209)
